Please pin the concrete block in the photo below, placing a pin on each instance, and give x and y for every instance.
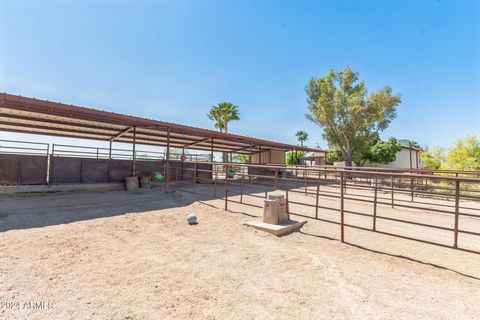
(282, 207)
(270, 211)
(276, 229)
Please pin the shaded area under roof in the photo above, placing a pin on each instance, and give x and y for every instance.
(35, 116)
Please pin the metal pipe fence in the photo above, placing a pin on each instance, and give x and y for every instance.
(24, 148)
(338, 187)
(61, 150)
(445, 193)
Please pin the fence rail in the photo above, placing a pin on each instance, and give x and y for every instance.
(24, 148)
(310, 191)
(341, 186)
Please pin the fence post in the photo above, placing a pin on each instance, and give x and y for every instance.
(342, 213)
(195, 176)
(81, 171)
(391, 189)
(50, 169)
(287, 203)
(241, 189)
(457, 211)
(19, 171)
(47, 164)
(226, 187)
(276, 178)
(411, 187)
(316, 202)
(215, 183)
(375, 207)
(305, 183)
(176, 179)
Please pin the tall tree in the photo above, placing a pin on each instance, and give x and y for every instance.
(465, 155)
(415, 144)
(222, 114)
(215, 116)
(350, 117)
(302, 136)
(434, 158)
(293, 157)
(379, 151)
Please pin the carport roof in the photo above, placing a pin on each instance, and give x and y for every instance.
(35, 116)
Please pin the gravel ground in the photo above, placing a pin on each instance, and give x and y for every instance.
(118, 255)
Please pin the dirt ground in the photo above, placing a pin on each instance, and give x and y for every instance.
(119, 255)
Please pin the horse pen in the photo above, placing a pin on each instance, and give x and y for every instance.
(379, 243)
(370, 240)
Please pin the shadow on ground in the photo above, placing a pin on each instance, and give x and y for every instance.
(391, 255)
(35, 210)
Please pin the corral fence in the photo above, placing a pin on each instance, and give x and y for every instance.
(435, 207)
(31, 163)
(23, 163)
(447, 213)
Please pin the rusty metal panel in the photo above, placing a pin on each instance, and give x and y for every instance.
(9, 169)
(33, 169)
(185, 171)
(22, 169)
(202, 174)
(86, 170)
(66, 170)
(119, 169)
(94, 170)
(262, 171)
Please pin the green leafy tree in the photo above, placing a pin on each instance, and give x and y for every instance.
(333, 155)
(222, 114)
(242, 158)
(350, 117)
(302, 136)
(465, 155)
(379, 151)
(433, 158)
(293, 157)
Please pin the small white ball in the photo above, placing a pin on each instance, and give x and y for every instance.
(192, 218)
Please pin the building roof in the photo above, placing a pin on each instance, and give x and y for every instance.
(35, 116)
(406, 144)
(411, 148)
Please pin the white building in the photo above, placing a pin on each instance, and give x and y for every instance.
(407, 158)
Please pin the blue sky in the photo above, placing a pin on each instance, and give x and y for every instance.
(172, 60)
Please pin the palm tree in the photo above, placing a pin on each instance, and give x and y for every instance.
(415, 144)
(301, 136)
(222, 114)
(216, 116)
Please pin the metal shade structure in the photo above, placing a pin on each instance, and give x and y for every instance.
(35, 116)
